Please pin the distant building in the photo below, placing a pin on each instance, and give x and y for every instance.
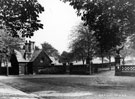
(34, 59)
(28, 61)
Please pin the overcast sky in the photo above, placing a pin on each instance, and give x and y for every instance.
(59, 19)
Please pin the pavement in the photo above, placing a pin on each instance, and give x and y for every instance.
(8, 92)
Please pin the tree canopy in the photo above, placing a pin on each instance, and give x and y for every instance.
(7, 46)
(20, 16)
(83, 43)
(112, 21)
(9, 43)
(50, 50)
(66, 57)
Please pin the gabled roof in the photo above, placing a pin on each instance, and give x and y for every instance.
(36, 53)
(19, 56)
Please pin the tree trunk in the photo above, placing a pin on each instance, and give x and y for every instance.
(102, 60)
(83, 61)
(7, 67)
(123, 61)
(109, 62)
(88, 60)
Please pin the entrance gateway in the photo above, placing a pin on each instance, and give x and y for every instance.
(123, 70)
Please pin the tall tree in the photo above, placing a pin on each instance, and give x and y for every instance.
(7, 46)
(112, 21)
(20, 16)
(83, 42)
(9, 43)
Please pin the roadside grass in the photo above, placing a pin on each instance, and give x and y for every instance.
(71, 84)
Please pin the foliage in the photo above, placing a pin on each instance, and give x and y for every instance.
(83, 43)
(112, 21)
(20, 16)
(50, 50)
(7, 46)
(9, 43)
(66, 57)
(129, 48)
(37, 48)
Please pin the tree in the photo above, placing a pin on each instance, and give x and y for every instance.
(66, 57)
(83, 43)
(128, 50)
(37, 48)
(50, 50)
(7, 46)
(20, 16)
(9, 43)
(78, 53)
(112, 21)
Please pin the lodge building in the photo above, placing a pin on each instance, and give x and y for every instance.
(26, 61)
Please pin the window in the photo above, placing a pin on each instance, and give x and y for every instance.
(42, 60)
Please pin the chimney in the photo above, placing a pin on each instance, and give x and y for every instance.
(29, 49)
(32, 46)
(29, 46)
(26, 46)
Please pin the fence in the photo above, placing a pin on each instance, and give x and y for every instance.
(125, 70)
(57, 69)
(73, 69)
(12, 71)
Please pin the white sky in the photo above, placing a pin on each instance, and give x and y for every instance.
(58, 19)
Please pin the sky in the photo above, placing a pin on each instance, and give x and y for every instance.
(59, 19)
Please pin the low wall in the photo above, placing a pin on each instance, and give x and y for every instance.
(73, 69)
(104, 65)
(59, 69)
(79, 69)
(125, 70)
(12, 71)
(85, 69)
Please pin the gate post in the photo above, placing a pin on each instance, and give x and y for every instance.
(89, 64)
(117, 65)
(67, 67)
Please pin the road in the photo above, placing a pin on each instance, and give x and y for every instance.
(99, 86)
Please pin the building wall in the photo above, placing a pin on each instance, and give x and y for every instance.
(41, 62)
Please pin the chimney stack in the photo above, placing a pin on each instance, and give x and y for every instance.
(29, 49)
